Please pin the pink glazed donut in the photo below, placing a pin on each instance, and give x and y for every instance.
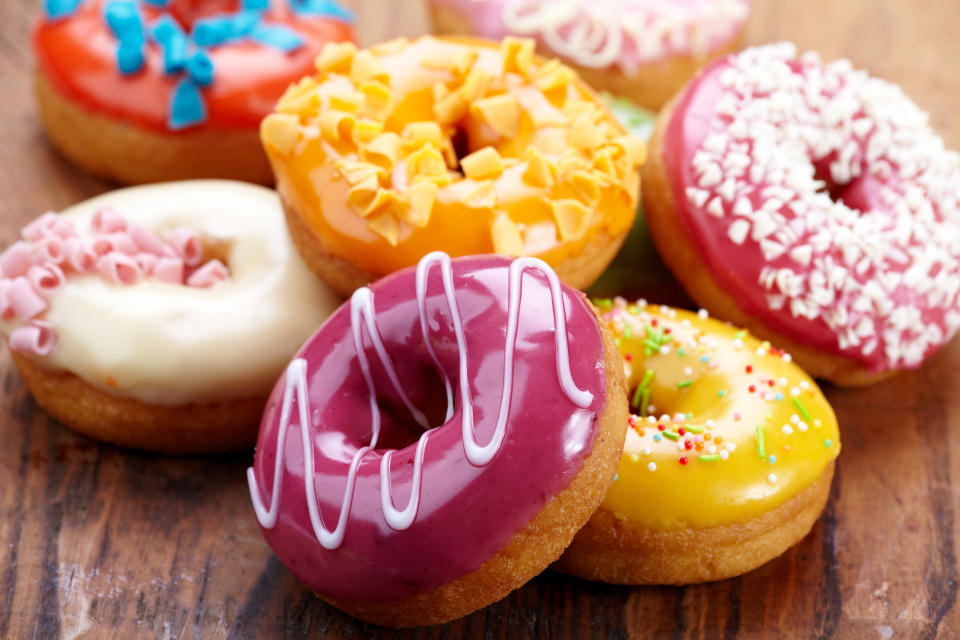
(814, 205)
(400, 524)
(644, 50)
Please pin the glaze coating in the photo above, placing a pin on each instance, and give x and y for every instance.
(467, 510)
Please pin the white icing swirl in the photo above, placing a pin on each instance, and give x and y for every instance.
(363, 316)
(601, 33)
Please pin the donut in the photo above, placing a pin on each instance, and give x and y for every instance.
(155, 90)
(458, 145)
(644, 50)
(734, 470)
(637, 270)
(158, 317)
(401, 524)
(813, 205)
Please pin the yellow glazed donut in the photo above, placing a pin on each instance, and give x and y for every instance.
(159, 317)
(728, 460)
(452, 144)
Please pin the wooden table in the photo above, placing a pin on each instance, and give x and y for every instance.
(97, 542)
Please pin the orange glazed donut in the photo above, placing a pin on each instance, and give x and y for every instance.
(813, 205)
(158, 317)
(734, 471)
(155, 90)
(453, 144)
(406, 506)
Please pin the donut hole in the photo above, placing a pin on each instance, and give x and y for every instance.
(460, 140)
(399, 429)
(216, 249)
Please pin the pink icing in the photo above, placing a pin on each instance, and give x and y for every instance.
(452, 506)
(33, 269)
(603, 33)
(871, 272)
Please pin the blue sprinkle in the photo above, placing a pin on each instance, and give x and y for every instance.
(251, 5)
(124, 21)
(186, 106)
(129, 57)
(55, 9)
(657, 437)
(277, 36)
(704, 359)
(210, 32)
(200, 68)
(158, 3)
(164, 28)
(616, 477)
(173, 41)
(330, 8)
(243, 23)
(779, 396)
(773, 459)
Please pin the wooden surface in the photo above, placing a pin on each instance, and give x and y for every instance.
(97, 542)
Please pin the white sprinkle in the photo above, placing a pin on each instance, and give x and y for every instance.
(731, 446)
(645, 451)
(772, 478)
(738, 231)
(724, 454)
(712, 449)
(804, 385)
(715, 208)
(795, 419)
(687, 371)
(703, 314)
(795, 392)
(652, 466)
(787, 430)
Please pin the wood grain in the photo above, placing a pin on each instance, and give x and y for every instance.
(97, 542)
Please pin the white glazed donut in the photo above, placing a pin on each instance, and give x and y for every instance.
(161, 345)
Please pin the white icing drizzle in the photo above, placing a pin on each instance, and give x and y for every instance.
(597, 33)
(363, 315)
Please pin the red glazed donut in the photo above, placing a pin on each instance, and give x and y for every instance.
(814, 205)
(154, 90)
(402, 526)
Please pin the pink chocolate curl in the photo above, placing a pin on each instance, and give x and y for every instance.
(36, 338)
(169, 270)
(40, 227)
(146, 262)
(79, 255)
(213, 272)
(146, 241)
(51, 248)
(107, 220)
(16, 260)
(23, 299)
(46, 278)
(187, 245)
(119, 268)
